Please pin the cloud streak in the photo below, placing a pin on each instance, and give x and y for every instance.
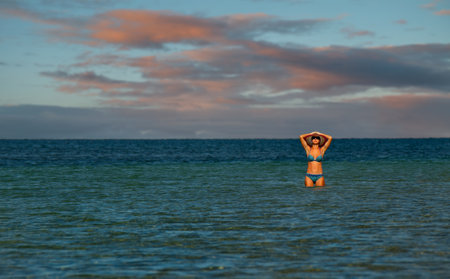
(352, 33)
(443, 13)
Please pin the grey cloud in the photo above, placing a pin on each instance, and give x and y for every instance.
(428, 119)
(423, 66)
(251, 29)
(91, 4)
(11, 4)
(58, 4)
(352, 33)
(86, 76)
(249, 68)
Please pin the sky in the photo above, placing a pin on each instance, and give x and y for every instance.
(156, 69)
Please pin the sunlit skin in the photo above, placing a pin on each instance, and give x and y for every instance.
(315, 150)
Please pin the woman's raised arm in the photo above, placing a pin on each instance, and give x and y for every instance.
(304, 143)
(327, 143)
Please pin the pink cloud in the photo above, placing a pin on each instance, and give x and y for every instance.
(404, 101)
(443, 12)
(431, 5)
(149, 28)
(179, 101)
(401, 21)
(151, 67)
(155, 29)
(316, 80)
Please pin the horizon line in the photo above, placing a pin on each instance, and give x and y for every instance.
(256, 138)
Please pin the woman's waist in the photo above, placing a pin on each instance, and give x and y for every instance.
(314, 169)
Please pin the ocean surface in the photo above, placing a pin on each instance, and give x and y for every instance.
(223, 209)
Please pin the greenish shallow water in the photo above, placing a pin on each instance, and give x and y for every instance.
(238, 219)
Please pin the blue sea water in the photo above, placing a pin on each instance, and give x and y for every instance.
(223, 208)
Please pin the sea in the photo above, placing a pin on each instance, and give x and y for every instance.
(234, 208)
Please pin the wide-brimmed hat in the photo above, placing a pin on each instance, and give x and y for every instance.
(322, 141)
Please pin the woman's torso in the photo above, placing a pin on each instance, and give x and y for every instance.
(315, 158)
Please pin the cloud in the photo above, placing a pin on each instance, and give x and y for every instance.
(86, 81)
(250, 26)
(356, 119)
(130, 28)
(228, 66)
(407, 101)
(91, 4)
(155, 29)
(443, 12)
(401, 21)
(431, 5)
(352, 33)
(63, 23)
(259, 74)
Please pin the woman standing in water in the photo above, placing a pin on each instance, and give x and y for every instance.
(315, 145)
